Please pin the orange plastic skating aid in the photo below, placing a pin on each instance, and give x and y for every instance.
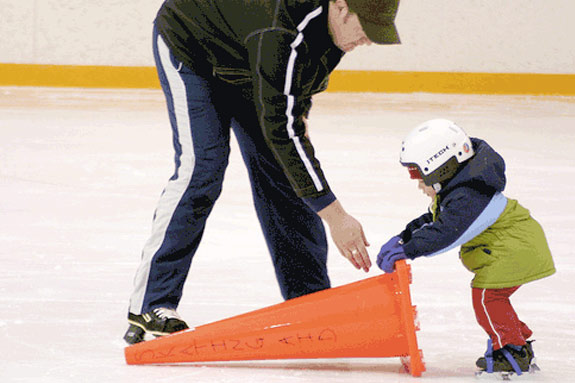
(366, 319)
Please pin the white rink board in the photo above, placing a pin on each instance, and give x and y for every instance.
(513, 36)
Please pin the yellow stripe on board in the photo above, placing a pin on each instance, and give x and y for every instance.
(453, 82)
(340, 81)
(78, 76)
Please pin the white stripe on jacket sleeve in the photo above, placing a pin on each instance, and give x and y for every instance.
(290, 102)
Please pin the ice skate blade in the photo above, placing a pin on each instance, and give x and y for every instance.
(495, 376)
(506, 375)
(533, 367)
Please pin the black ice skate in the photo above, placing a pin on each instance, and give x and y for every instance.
(158, 322)
(508, 360)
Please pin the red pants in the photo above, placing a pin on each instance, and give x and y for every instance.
(495, 314)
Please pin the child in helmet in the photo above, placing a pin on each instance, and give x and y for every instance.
(500, 242)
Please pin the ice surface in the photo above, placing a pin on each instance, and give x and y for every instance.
(80, 174)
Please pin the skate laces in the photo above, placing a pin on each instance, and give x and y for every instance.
(165, 313)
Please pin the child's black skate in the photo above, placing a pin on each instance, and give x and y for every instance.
(508, 360)
(158, 322)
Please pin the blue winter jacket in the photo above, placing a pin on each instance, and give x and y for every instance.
(469, 203)
(500, 241)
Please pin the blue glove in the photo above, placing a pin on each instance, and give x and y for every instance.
(391, 252)
(392, 243)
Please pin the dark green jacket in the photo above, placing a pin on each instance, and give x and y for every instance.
(282, 49)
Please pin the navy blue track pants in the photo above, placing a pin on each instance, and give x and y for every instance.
(203, 111)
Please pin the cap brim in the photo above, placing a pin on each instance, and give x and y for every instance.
(381, 34)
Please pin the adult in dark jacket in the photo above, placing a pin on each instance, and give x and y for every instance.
(252, 66)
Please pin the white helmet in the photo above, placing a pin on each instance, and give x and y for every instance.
(433, 151)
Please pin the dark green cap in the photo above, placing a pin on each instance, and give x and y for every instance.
(377, 19)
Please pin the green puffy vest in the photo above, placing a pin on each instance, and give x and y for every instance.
(511, 252)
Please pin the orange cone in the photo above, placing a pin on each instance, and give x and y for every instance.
(369, 318)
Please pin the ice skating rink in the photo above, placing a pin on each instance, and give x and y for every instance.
(80, 174)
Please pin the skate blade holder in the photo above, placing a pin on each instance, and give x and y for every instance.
(507, 375)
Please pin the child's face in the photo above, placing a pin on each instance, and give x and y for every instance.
(427, 190)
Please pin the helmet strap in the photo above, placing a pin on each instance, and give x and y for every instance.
(437, 187)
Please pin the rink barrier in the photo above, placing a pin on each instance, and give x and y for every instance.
(372, 318)
(340, 80)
